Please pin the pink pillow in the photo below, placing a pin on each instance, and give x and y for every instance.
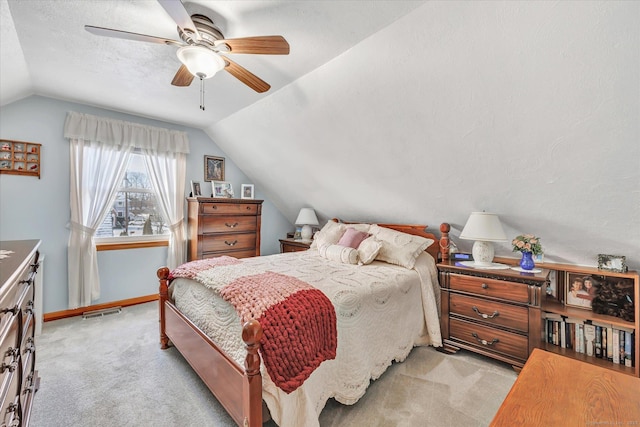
(352, 238)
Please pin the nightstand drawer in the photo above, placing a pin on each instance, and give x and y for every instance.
(489, 339)
(490, 312)
(511, 291)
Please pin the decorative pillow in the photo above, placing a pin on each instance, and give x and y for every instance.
(399, 248)
(339, 253)
(330, 234)
(368, 250)
(352, 238)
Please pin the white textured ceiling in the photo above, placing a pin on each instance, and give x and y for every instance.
(45, 50)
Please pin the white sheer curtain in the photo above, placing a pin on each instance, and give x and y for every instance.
(99, 152)
(167, 172)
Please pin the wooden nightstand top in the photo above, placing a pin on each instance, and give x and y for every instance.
(293, 245)
(505, 273)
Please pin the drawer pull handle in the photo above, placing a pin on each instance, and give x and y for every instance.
(485, 286)
(484, 315)
(234, 225)
(248, 208)
(231, 243)
(10, 367)
(485, 342)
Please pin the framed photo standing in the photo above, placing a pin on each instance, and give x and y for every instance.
(222, 189)
(213, 168)
(580, 290)
(617, 263)
(195, 189)
(247, 191)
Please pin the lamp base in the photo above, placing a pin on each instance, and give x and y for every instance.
(482, 253)
(306, 232)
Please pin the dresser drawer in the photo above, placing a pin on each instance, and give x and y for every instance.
(228, 224)
(511, 291)
(490, 312)
(228, 242)
(229, 208)
(244, 253)
(490, 339)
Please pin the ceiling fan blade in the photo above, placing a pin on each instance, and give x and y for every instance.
(178, 13)
(265, 45)
(183, 77)
(108, 32)
(245, 76)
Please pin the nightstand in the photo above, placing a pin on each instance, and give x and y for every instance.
(495, 313)
(292, 245)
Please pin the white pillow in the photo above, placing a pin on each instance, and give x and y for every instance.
(369, 249)
(399, 248)
(339, 253)
(329, 234)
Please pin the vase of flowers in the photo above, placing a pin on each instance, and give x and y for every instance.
(528, 245)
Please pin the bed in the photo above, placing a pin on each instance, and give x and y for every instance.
(226, 352)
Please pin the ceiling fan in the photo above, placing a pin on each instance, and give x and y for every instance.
(202, 45)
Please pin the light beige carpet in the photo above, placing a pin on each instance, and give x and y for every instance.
(110, 371)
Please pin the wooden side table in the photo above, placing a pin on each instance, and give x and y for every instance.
(292, 245)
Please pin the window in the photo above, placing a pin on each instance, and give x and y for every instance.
(134, 214)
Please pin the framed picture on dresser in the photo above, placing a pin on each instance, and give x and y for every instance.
(222, 189)
(247, 191)
(195, 189)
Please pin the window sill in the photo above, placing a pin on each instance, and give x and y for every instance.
(114, 246)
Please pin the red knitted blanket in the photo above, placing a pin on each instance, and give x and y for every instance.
(298, 321)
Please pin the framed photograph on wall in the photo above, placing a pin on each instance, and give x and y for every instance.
(247, 191)
(195, 189)
(580, 289)
(222, 189)
(213, 168)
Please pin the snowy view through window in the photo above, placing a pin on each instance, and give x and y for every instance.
(134, 212)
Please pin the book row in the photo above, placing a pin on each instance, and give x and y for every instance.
(603, 341)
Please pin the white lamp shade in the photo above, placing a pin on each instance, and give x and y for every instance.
(200, 61)
(483, 226)
(306, 218)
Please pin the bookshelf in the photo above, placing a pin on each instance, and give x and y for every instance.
(556, 305)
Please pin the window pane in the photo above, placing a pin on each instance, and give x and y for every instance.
(134, 212)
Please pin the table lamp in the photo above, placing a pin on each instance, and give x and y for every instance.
(306, 218)
(484, 228)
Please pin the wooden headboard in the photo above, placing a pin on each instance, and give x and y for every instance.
(439, 250)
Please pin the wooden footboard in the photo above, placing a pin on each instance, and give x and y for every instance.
(238, 389)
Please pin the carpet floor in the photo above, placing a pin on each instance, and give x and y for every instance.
(110, 371)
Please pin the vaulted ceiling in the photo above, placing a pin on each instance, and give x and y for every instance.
(46, 51)
(391, 111)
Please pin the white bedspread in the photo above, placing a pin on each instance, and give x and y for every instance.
(382, 310)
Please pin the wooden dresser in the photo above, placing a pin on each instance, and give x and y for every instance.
(20, 381)
(492, 312)
(223, 227)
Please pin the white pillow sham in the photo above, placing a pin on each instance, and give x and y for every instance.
(399, 248)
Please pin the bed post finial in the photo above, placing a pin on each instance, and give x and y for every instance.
(251, 335)
(445, 242)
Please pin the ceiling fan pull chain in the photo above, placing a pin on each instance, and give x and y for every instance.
(201, 93)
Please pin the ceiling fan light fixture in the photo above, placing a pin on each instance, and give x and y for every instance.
(200, 61)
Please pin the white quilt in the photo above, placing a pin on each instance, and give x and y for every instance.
(382, 310)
